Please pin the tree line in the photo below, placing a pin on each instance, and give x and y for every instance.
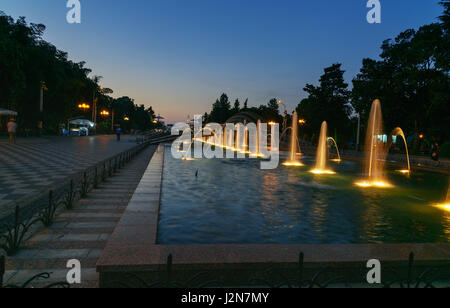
(411, 79)
(28, 62)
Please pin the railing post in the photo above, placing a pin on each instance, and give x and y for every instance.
(96, 178)
(2, 270)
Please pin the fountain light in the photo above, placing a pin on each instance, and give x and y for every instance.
(443, 206)
(376, 184)
(319, 172)
(293, 164)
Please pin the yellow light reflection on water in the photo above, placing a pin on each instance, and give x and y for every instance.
(317, 171)
(293, 164)
(443, 206)
(376, 184)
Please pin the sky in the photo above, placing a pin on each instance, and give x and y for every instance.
(179, 56)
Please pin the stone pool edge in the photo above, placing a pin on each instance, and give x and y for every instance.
(132, 254)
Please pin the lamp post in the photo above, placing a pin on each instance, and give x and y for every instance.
(280, 102)
(358, 133)
(41, 106)
(84, 107)
(101, 90)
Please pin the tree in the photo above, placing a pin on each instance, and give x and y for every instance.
(26, 60)
(411, 80)
(327, 102)
(221, 110)
(237, 107)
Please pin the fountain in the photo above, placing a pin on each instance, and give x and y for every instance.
(375, 150)
(322, 152)
(446, 204)
(295, 148)
(337, 149)
(399, 132)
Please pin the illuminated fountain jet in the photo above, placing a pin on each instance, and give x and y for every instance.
(375, 150)
(295, 147)
(322, 152)
(446, 204)
(399, 132)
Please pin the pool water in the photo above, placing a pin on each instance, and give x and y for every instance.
(234, 202)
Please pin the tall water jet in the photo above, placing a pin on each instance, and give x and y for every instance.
(295, 147)
(322, 152)
(399, 132)
(375, 149)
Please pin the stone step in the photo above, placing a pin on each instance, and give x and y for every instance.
(83, 225)
(57, 254)
(70, 237)
(90, 215)
(56, 276)
(76, 244)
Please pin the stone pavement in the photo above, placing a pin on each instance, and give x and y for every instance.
(35, 163)
(81, 233)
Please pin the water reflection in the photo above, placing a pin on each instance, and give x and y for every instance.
(233, 201)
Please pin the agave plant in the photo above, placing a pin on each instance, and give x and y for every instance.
(96, 178)
(84, 186)
(14, 237)
(47, 215)
(69, 197)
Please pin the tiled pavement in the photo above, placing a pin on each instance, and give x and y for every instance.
(81, 233)
(35, 163)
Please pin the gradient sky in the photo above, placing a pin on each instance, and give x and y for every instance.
(180, 55)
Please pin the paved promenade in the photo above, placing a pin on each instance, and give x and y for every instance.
(79, 234)
(35, 163)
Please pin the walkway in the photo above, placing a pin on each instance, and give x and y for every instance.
(81, 233)
(35, 163)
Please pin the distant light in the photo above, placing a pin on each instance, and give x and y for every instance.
(126, 119)
(84, 106)
(404, 171)
(421, 136)
(272, 123)
(302, 121)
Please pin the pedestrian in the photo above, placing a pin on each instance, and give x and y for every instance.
(435, 151)
(12, 128)
(118, 132)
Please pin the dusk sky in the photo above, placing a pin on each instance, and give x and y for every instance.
(180, 55)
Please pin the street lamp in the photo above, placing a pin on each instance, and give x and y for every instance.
(41, 105)
(104, 113)
(280, 102)
(101, 90)
(84, 107)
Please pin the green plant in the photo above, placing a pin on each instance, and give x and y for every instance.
(69, 197)
(13, 238)
(84, 187)
(47, 216)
